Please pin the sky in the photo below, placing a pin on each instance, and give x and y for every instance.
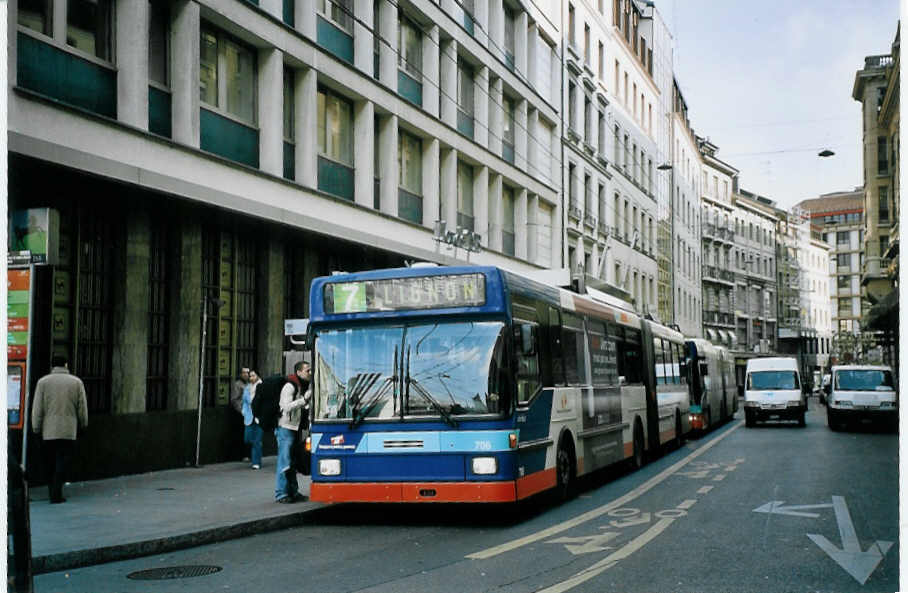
(769, 82)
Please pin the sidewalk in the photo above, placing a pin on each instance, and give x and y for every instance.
(139, 515)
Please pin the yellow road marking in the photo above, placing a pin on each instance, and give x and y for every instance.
(598, 512)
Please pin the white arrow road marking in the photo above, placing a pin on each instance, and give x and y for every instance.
(850, 557)
(598, 512)
(612, 559)
(586, 544)
(775, 507)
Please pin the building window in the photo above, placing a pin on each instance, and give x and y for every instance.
(340, 12)
(884, 244)
(601, 146)
(507, 148)
(464, 196)
(158, 314)
(507, 223)
(587, 119)
(588, 196)
(335, 127)
(601, 61)
(227, 75)
(843, 260)
(572, 188)
(882, 156)
(158, 34)
(289, 124)
(572, 111)
(586, 43)
(410, 48)
(465, 98)
(572, 34)
(842, 237)
(409, 160)
(884, 204)
(510, 23)
(89, 28)
(36, 15)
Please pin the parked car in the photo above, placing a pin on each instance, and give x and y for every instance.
(861, 392)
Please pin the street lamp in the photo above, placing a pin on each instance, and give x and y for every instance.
(825, 153)
(217, 304)
(462, 238)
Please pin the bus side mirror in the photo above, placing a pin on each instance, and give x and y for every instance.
(297, 331)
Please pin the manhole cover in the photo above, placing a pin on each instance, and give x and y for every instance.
(173, 572)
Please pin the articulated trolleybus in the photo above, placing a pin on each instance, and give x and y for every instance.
(473, 384)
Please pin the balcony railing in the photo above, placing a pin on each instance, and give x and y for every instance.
(877, 61)
(604, 228)
(575, 212)
(589, 220)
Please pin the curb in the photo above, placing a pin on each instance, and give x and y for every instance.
(88, 557)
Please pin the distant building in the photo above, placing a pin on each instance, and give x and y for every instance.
(717, 237)
(756, 289)
(840, 217)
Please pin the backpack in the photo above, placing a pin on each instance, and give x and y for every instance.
(266, 406)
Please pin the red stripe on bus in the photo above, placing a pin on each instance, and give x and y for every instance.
(413, 492)
(666, 435)
(536, 482)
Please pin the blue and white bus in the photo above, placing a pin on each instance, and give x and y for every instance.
(474, 384)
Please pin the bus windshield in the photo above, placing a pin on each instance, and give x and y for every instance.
(389, 372)
(864, 380)
(778, 380)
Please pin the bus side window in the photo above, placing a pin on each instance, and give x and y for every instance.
(526, 344)
(659, 363)
(681, 377)
(630, 352)
(554, 339)
(572, 347)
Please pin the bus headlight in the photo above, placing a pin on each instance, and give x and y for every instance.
(329, 467)
(485, 465)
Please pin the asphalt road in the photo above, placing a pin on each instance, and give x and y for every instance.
(772, 508)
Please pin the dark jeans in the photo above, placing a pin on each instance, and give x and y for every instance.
(57, 453)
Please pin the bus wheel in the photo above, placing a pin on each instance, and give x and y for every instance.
(832, 419)
(802, 421)
(637, 459)
(679, 439)
(749, 419)
(565, 465)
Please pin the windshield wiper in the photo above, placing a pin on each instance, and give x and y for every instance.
(426, 395)
(366, 407)
(362, 385)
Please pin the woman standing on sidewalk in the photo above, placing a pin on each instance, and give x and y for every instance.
(252, 434)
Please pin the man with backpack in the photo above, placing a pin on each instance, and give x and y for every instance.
(293, 405)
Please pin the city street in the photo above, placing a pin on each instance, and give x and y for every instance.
(772, 508)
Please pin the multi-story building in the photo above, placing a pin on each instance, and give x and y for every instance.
(227, 152)
(685, 176)
(872, 86)
(609, 143)
(805, 316)
(876, 87)
(754, 260)
(841, 218)
(717, 232)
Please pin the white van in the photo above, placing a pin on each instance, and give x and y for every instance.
(861, 392)
(772, 389)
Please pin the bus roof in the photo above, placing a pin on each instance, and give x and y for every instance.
(499, 285)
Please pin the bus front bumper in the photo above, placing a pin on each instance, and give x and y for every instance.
(332, 492)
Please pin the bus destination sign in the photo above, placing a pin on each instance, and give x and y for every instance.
(400, 294)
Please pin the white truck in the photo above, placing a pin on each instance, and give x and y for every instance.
(773, 390)
(861, 392)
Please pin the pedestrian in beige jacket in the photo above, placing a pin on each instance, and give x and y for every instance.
(59, 408)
